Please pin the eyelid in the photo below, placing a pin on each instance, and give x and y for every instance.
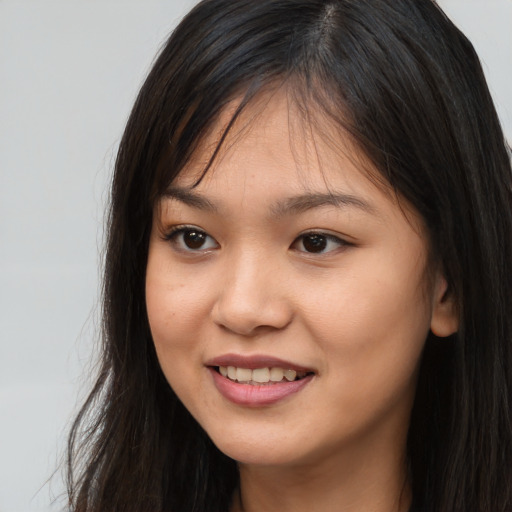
(338, 239)
(171, 233)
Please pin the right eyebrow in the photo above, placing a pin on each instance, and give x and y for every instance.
(190, 198)
(310, 201)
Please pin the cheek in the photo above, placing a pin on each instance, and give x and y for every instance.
(175, 299)
(173, 310)
(166, 307)
(173, 322)
(373, 322)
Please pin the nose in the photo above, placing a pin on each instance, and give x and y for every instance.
(253, 298)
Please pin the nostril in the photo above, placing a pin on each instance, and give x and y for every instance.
(249, 310)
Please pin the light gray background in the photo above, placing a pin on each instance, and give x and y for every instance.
(69, 72)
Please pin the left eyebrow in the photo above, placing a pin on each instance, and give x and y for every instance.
(304, 202)
(190, 198)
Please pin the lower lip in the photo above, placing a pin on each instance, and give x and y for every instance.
(257, 396)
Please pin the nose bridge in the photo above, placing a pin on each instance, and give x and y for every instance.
(251, 294)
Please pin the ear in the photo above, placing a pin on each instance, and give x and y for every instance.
(445, 318)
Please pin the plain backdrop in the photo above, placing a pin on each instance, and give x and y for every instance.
(69, 72)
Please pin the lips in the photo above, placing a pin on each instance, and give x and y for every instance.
(256, 381)
(256, 361)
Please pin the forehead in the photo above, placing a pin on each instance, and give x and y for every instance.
(300, 140)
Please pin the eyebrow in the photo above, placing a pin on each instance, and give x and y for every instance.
(289, 206)
(309, 201)
(190, 198)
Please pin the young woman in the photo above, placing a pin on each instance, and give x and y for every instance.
(307, 300)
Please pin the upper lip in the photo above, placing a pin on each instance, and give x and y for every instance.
(256, 361)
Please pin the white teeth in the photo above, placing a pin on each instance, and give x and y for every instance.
(244, 375)
(259, 375)
(232, 372)
(290, 375)
(276, 374)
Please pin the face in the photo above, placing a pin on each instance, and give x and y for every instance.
(287, 294)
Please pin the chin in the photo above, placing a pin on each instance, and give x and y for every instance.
(266, 451)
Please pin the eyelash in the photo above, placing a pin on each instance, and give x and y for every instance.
(318, 238)
(323, 238)
(173, 238)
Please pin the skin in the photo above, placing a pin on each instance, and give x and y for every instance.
(357, 313)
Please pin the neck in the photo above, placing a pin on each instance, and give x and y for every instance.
(349, 481)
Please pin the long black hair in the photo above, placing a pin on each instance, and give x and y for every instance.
(408, 88)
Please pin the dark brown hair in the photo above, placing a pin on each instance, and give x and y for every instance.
(408, 87)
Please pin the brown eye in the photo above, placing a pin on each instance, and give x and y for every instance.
(314, 243)
(191, 239)
(318, 243)
(194, 239)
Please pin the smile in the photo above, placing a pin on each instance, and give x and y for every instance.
(257, 381)
(260, 376)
